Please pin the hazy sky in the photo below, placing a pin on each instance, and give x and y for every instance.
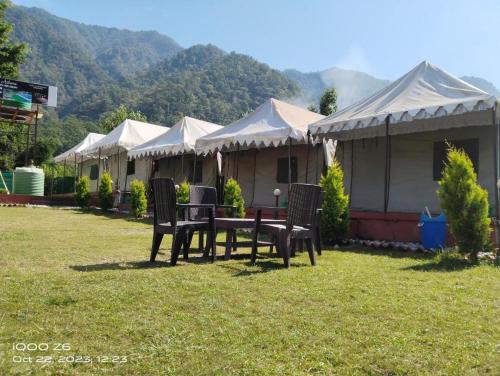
(384, 38)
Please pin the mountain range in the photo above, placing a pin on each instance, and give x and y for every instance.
(97, 68)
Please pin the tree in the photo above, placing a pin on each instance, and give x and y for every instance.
(138, 200)
(312, 108)
(110, 120)
(335, 214)
(328, 102)
(183, 193)
(465, 204)
(82, 194)
(233, 196)
(105, 194)
(11, 56)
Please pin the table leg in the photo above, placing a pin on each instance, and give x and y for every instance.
(229, 238)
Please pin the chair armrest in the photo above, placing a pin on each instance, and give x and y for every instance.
(226, 206)
(188, 206)
(275, 208)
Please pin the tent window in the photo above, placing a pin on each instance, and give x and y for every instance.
(282, 174)
(470, 146)
(131, 167)
(199, 171)
(93, 172)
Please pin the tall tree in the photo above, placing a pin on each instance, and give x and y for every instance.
(111, 119)
(328, 102)
(11, 56)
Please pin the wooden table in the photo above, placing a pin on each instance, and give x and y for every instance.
(230, 225)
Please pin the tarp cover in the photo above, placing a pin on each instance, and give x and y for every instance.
(125, 136)
(179, 139)
(75, 151)
(425, 93)
(271, 124)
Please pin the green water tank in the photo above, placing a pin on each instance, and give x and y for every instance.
(28, 181)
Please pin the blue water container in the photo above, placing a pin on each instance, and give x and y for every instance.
(433, 231)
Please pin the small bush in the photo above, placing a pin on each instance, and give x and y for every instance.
(82, 194)
(335, 214)
(233, 196)
(465, 204)
(183, 193)
(3, 191)
(105, 195)
(138, 199)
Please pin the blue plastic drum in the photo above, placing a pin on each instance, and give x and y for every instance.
(433, 231)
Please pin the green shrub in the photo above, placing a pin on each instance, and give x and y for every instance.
(82, 194)
(183, 193)
(105, 195)
(465, 204)
(335, 214)
(233, 196)
(138, 199)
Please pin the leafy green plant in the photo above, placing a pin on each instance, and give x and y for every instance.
(465, 204)
(82, 194)
(105, 195)
(233, 196)
(138, 199)
(183, 193)
(335, 214)
(3, 191)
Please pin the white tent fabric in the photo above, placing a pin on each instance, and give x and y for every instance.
(271, 124)
(422, 95)
(128, 134)
(179, 139)
(75, 151)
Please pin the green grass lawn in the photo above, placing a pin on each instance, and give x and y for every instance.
(83, 279)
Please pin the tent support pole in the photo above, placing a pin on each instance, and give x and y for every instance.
(80, 170)
(98, 169)
(237, 162)
(254, 171)
(387, 179)
(64, 177)
(75, 173)
(307, 155)
(352, 172)
(118, 174)
(182, 166)
(194, 169)
(496, 124)
(289, 165)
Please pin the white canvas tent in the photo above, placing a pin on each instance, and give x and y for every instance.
(74, 153)
(115, 145)
(180, 139)
(253, 146)
(171, 148)
(390, 141)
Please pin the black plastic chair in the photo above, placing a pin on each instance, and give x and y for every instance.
(166, 210)
(301, 223)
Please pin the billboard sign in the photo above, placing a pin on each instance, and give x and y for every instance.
(22, 94)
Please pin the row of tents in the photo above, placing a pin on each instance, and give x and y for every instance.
(391, 145)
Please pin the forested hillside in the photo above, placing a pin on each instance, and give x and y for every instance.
(97, 68)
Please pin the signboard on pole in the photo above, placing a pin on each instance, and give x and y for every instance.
(22, 94)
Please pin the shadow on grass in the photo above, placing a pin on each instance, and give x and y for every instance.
(443, 264)
(131, 265)
(394, 253)
(261, 266)
(114, 215)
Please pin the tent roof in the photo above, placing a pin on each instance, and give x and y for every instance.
(271, 124)
(425, 93)
(179, 139)
(125, 136)
(69, 155)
